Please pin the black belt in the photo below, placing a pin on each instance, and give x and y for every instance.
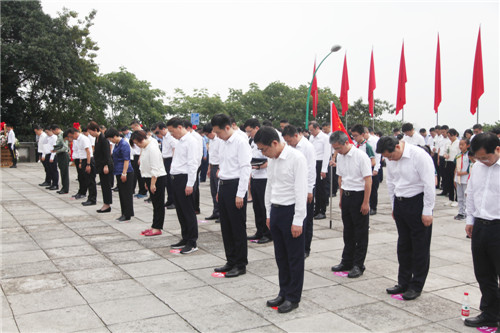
(349, 193)
(486, 222)
(228, 181)
(177, 176)
(280, 206)
(408, 198)
(214, 165)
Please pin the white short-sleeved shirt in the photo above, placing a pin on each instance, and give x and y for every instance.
(353, 167)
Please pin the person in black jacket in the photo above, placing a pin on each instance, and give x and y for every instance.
(104, 165)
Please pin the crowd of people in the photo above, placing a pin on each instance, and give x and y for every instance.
(288, 174)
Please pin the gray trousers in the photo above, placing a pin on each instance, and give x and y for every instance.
(461, 198)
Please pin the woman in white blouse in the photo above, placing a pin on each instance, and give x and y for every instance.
(153, 172)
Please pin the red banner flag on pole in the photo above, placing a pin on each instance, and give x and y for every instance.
(335, 122)
(401, 99)
(314, 92)
(371, 86)
(437, 84)
(344, 89)
(477, 77)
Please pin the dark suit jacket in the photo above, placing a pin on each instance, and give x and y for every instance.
(102, 154)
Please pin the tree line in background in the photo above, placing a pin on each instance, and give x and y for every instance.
(49, 75)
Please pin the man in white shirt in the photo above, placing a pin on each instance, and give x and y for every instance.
(476, 129)
(286, 196)
(214, 146)
(258, 183)
(323, 152)
(183, 175)
(483, 226)
(411, 187)
(443, 143)
(355, 180)
(411, 137)
(51, 159)
(136, 152)
(296, 140)
(167, 151)
(42, 138)
(451, 151)
(11, 143)
(376, 171)
(199, 151)
(234, 173)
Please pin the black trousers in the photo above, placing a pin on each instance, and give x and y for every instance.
(81, 180)
(486, 258)
(45, 168)
(258, 189)
(380, 174)
(308, 225)
(289, 253)
(89, 179)
(137, 176)
(355, 229)
(158, 201)
(196, 191)
(126, 194)
(63, 164)
(438, 173)
(443, 174)
(106, 179)
(233, 224)
(321, 193)
(374, 192)
(167, 163)
(214, 184)
(184, 206)
(335, 179)
(204, 170)
(52, 166)
(12, 150)
(449, 169)
(414, 242)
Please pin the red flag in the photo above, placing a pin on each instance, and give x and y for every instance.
(437, 84)
(335, 122)
(314, 92)
(477, 77)
(401, 99)
(371, 86)
(344, 88)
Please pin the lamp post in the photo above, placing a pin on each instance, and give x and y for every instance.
(334, 48)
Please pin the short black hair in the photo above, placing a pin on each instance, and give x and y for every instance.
(54, 127)
(387, 144)
(400, 136)
(422, 130)
(207, 128)
(477, 126)
(370, 129)
(290, 130)
(495, 130)
(453, 132)
(160, 125)
(221, 120)
(187, 123)
(358, 129)
(176, 122)
(9, 125)
(407, 127)
(432, 129)
(468, 131)
(267, 123)
(138, 136)
(232, 120)
(437, 127)
(124, 128)
(394, 130)
(84, 128)
(314, 124)
(325, 124)
(487, 141)
(266, 135)
(111, 133)
(37, 127)
(379, 133)
(93, 126)
(252, 123)
(445, 127)
(284, 120)
(66, 132)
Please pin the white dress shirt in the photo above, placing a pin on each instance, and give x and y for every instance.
(199, 149)
(11, 137)
(214, 147)
(83, 142)
(287, 183)
(443, 143)
(412, 174)
(185, 160)
(416, 139)
(135, 150)
(152, 161)
(50, 141)
(235, 156)
(168, 145)
(452, 149)
(353, 167)
(241, 133)
(76, 154)
(307, 149)
(92, 140)
(322, 148)
(372, 141)
(41, 141)
(483, 192)
(256, 153)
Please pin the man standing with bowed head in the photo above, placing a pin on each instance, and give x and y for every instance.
(323, 151)
(483, 226)
(234, 173)
(286, 197)
(411, 187)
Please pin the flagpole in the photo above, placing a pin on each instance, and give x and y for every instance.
(437, 118)
(334, 48)
(477, 112)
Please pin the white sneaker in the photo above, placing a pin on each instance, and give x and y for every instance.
(454, 204)
(446, 204)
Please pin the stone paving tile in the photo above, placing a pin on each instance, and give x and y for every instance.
(201, 297)
(32, 268)
(337, 297)
(61, 242)
(8, 325)
(324, 322)
(128, 257)
(71, 251)
(6, 310)
(44, 300)
(197, 261)
(120, 246)
(169, 323)
(23, 257)
(33, 284)
(170, 281)
(112, 290)
(154, 267)
(246, 287)
(104, 274)
(85, 262)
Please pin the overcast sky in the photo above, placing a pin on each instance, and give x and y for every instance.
(229, 44)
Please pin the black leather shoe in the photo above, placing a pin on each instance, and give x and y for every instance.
(225, 268)
(53, 188)
(171, 206)
(320, 216)
(115, 189)
(107, 210)
(397, 289)
(341, 268)
(212, 217)
(287, 306)
(264, 240)
(79, 196)
(480, 321)
(355, 272)
(62, 192)
(44, 184)
(411, 294)
(306, 254)
(88, 203)
(275, 302)
(373, 212)
(123, 218)
(253, 237)
(235, 271)
(217, 221)
(442, 194)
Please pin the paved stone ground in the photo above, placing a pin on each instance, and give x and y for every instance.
(66, 268)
